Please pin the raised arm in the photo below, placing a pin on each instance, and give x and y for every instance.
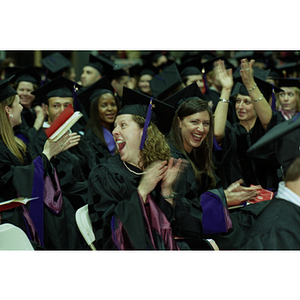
(261, 105)
(221, 111)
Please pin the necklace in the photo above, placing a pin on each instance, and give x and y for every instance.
(142, 173)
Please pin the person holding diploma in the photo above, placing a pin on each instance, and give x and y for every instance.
(46, 219)
(74, 165)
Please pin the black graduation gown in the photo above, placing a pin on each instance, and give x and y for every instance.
(234, 163)
(277, 228)
(60, 230)
(242, 219)
(204, 220)
(101, 151)
(113, 193)
(72, 166)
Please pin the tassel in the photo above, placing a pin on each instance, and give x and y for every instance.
(146, 125)
(273, 104)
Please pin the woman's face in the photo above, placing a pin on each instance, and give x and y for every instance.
(108, 109)
(144, 84)
(24, 89)
(244, 108)
(127, 135)
(15, 112)
(288, 98)
(194, 129)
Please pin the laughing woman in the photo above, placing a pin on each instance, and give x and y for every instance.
(129, 191)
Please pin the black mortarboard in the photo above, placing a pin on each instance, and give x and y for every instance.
(289, 82)
(191, 90)
(276, 132)
(284, 152)
(101, 86)
(9, 71)
(288, 68)
(136, 103)
(190, 67)
(58, 87)
(149, 57)
(6, 90)
(147, 71)
(28, 74)
(165, 82)
(56, 64)
(97, 62)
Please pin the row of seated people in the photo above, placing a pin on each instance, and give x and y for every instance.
(159, 172)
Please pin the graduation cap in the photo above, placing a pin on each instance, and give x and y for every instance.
(191, 90)
(136, 103)
(165, 82)
(9, 71)
(190, 67)
(58, 87)
(28, 74)
(56, 64)
(101, 63)
(146, 71)
(288, 68)
(275, 134)
(289, 82)
(6, 90)
(101, 86)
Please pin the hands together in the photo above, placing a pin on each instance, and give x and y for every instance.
(161, 170)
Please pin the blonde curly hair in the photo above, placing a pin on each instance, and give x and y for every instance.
(156, 146)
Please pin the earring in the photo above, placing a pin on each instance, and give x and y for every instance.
(11, 115)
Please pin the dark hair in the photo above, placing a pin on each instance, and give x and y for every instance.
(201, 157)
(95, 122)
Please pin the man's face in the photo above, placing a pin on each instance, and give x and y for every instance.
(118, 85)
(56, 107)
(89, 76)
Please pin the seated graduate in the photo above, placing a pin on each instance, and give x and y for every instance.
(102, 106)
(277, 227)
(49, 220)
(129, 191)
(25, 81)
(191, 138)
(289, 98)
(74, 165)
(255, 118)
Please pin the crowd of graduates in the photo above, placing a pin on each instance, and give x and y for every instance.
(190, 150)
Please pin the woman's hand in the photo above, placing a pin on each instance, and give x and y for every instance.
(237, 194)
(67, 141)
(225, 76)
(246, 73)
(40, 116)
(153, 174)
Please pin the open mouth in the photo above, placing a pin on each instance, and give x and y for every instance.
(121, 145)
(197, 137)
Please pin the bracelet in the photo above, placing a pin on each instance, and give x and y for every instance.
(171, 196)
(262, 96)
(224, 100)
(253, 88)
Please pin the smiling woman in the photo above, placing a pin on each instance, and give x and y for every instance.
(129, 192)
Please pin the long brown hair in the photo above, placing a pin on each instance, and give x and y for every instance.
(202, 156)
(14, 144)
